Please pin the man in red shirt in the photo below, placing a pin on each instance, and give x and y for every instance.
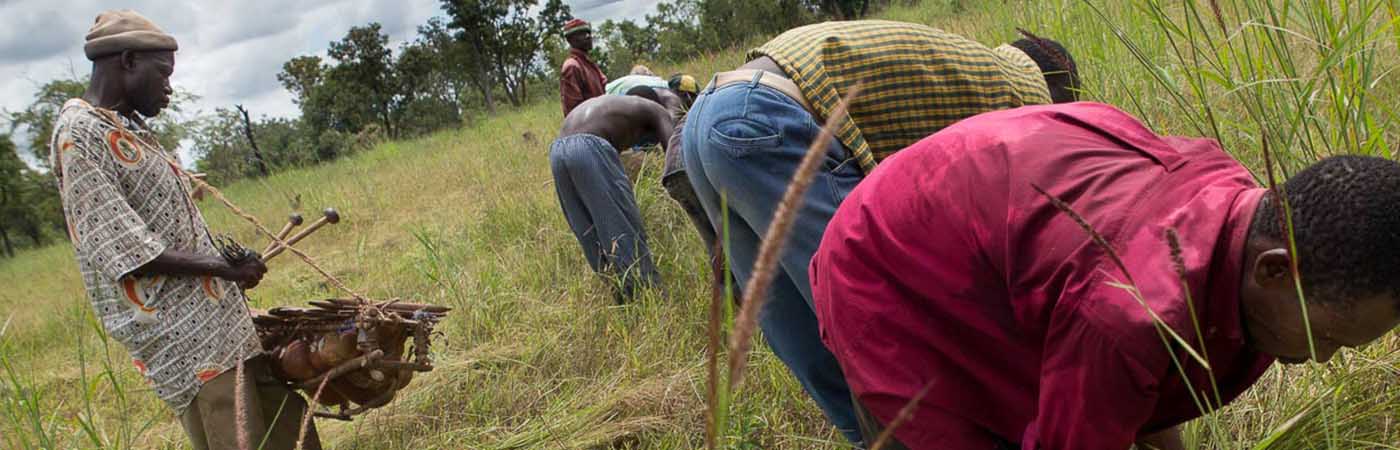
(946, 270)
(579, 79)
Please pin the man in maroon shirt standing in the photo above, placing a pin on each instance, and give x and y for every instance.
(946, 270)
(579, 79)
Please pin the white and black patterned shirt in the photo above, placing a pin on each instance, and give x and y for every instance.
(126, 201)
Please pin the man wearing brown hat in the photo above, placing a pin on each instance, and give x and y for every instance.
(580, 79)
(152, 273)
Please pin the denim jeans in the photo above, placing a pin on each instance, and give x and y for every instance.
(744, 142)
(599, 205)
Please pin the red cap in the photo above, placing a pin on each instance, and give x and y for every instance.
(575, 25)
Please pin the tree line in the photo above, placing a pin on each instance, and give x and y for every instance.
(478, 57)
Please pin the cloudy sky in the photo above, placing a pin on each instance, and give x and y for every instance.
(230, 50)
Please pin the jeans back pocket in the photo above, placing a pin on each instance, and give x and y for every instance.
(740, 136)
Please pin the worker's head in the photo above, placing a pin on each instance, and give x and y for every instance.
(1346, 225)
(132, 59)
(684, 86)
(1061, 73)
(645, 92)
(579, 34)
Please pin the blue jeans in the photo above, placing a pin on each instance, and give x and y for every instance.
(745, 141)
(599, 205)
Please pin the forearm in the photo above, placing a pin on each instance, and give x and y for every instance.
(180, 263)
(1168, 439)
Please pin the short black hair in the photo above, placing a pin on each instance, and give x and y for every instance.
(645, 92)
(1061, 72)
(1346, 223)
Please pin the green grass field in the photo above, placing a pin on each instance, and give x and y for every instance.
(536, 354)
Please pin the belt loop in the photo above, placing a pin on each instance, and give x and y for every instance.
(714, 79)
(757, 75)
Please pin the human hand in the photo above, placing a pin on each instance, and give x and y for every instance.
(247, 272)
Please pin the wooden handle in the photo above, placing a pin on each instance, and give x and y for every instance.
(292, 222)
(296, 238)
(328, 216)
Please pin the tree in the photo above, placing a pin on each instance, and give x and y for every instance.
(219, 147)
(29, 204)
(258, 159)
(287, 142)
(475, 25)
(428, 96)
(450, 56)
(677, 27)
(356, 92)
(37, 119)
(363, 76)
(305, 78)
(844, 9)
(504, 41)
(300, 75)
(624, 44)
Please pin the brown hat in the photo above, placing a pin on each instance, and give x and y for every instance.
(118, 31)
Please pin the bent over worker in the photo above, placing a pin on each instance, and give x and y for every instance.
(947, 271)
(593, 189)
(750, 128)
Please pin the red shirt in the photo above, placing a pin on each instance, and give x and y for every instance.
(579, 80)
(944, 266)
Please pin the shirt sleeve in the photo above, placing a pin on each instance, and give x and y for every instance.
(1093, 394)
(105, 227)
(570, 88)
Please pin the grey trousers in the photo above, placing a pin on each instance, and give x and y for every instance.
(602, 211)
(273, 412)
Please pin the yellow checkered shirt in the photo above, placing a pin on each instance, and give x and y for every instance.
(915, 80)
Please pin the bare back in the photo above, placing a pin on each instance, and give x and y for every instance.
(622, 120)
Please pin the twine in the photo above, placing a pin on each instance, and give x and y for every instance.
(272, 236)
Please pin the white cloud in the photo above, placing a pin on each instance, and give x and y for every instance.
(600, 10)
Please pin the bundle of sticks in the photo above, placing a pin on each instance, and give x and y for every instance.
(348, 353)
(352, 353)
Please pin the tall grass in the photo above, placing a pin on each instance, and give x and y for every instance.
(535, 354)
(1300, 78)
(1283, 84)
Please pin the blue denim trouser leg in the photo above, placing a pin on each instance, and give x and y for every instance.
(745, 142)
(599, 205)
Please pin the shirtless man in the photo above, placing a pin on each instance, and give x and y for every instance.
(594, 191)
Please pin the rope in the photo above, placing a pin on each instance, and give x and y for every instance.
(270, 235)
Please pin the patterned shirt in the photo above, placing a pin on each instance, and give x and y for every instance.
(916, 80)
(125, 203)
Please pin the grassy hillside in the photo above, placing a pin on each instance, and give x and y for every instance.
(536, 355)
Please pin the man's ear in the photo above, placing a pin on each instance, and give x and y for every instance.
(128, 59)
(1273, 268)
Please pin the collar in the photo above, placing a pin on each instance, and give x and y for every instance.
(580, 54)
(1224, 290)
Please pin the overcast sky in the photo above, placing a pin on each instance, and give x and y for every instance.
(230, 50)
